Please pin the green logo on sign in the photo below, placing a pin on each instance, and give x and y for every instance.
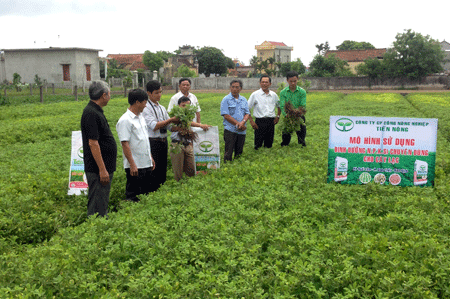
(206, 146)
(80, 152)
(365, 177)
(344, 124)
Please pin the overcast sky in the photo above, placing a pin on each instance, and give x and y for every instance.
(132, 26)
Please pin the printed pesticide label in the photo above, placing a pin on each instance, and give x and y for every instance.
(420, 172)
(340, 169)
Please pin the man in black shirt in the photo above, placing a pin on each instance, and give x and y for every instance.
(99, 149)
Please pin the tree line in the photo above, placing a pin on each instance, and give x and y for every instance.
(412, 56)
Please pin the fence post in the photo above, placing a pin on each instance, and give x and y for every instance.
(75, 91)
(31, 89)
(53, 88)
(41, 93)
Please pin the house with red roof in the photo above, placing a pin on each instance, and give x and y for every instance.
(277, 50)
(356, 57)
(130, 62)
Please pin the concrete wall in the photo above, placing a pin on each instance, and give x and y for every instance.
(47, 64)
(364, 83)
(224, 83)
(2, 69)
(333, 83)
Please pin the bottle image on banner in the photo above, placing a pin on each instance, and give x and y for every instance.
(340, 169)
(420, 172)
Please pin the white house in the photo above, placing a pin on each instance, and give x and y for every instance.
(75, 66)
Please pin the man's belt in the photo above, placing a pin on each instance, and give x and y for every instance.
(160, 139)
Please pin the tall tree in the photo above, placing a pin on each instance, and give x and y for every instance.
(372, 67)
(352, 45)
(165, 55)
(297, 66)
(331, 66)
(413, 56)
(152, 60)
(323, 48)
(211, 61)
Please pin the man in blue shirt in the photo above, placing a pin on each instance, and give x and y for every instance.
(235, 112)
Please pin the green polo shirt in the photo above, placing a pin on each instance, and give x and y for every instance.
(297, 98)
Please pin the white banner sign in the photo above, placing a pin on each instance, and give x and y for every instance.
(206, 149)
(77, 177)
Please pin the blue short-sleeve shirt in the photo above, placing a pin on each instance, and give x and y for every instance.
(236, 108)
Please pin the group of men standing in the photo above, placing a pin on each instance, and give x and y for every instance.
(267, 110)
(143, 130)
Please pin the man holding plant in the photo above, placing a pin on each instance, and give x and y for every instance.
(263, 103)
(235, 112)
(182, 150)
(293, 107)
(158, 122)
(133, 135)
(185, 86)
(99, 149)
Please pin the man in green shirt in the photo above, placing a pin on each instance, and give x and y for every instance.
(297, 96)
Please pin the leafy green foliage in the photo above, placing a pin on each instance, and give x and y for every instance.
(184, 71)
(353, 45)
(38, 81)
(263, 226)
(152, 60)
(185, 116)
(372, 67)
(212, 61)
(297, 66)
(165, 55)
(291, 122)
(323, 48)
(413, 56)
(329, 67)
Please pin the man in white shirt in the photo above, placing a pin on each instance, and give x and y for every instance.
(158, 123)
(133, 135)
(263, 103)
(185, 86)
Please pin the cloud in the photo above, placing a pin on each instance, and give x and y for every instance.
(32, 8)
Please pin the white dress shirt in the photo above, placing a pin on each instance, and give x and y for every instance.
(132, 128)
(177, 96)
(263, 104)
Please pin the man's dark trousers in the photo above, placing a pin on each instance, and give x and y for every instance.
(301, 135)
(159, 148)
(233, 142)
(264, 133)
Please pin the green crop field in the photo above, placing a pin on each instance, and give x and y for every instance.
(264, 226)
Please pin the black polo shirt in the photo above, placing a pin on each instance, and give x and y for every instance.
(95, 126)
